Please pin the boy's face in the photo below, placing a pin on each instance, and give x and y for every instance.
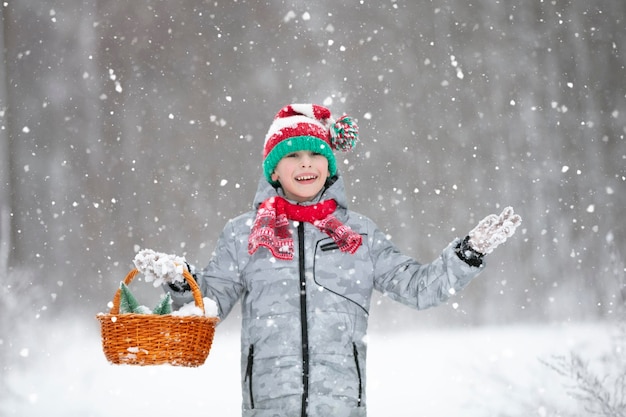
(301, 175)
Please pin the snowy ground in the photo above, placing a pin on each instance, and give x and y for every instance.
(479, 372)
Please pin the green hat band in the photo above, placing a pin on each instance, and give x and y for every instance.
(295, 144)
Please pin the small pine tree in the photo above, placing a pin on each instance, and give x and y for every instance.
(165, 306)
(128, 302)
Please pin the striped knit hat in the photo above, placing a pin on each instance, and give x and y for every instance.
(307, 127)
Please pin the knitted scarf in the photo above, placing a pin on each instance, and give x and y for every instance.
(271, 226)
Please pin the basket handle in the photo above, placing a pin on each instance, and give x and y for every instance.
(197, 294)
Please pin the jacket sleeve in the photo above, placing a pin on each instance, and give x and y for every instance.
(403, 279)
(220, 279)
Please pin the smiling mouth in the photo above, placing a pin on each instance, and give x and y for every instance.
(306, 178)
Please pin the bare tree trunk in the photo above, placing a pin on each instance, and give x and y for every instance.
(5, 201)
(5, 161)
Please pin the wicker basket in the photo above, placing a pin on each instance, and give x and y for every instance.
(150, 339)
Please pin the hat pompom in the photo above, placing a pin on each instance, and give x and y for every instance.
(344, 133)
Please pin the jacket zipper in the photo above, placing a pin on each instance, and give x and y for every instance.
(303, 320)
(358, 372)
(249, 374)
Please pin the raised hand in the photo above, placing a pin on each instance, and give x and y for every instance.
(493, 230)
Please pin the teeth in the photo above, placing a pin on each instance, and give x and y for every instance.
(306, 177)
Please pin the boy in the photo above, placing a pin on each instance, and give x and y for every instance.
(304, 268)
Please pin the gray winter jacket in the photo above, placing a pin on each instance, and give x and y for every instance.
(305, 320)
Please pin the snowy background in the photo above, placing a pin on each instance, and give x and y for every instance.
(130, 125)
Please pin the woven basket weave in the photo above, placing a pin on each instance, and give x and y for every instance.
(151, 339)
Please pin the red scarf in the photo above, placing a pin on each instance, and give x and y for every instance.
(271, 226)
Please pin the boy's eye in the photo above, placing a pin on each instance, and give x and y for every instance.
(298, 154)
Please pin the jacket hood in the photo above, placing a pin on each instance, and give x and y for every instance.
(335, 189)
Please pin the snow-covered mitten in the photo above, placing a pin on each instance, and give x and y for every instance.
(493, 230)
(160, 268)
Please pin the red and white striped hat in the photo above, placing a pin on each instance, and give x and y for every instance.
(310, 127)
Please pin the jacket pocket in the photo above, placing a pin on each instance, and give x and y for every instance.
(358, 373)
(248, 378)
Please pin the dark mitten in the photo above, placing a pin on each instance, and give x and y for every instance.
(183, 286)
(179, 286)
(468, 254)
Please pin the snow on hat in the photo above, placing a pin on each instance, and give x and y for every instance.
(307, 127)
